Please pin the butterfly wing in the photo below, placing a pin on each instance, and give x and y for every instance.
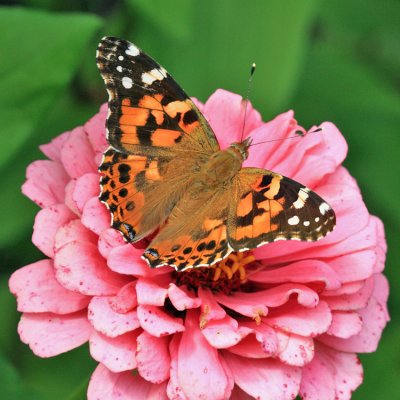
(268, 207)
(195, 234)
(148, 110)
(157, 137)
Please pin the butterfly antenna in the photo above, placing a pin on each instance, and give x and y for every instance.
(252, 70)
(298, 134)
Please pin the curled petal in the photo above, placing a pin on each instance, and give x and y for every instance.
(37, 290)
(304, 271)
(182, 299)
(294, 349)
(95, 216)
(345, 324)
(63, 332)
(53, 149)
(47, 222)
(45, 183)
(73, 231)
(210, 309)
(301, 320)
(117, 354)
(77, 154)
(125, 300)
(79, 267)
(200, 372)
(86, 187)
(150, 293)
(274, 379)
(153, 357)
(107, 385)
(105, 320)
(224, 333)
(158, 323)
(108, 240)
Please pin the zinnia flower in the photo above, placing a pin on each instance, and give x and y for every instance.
(293, 328)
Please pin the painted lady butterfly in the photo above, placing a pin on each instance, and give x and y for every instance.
(164, 169)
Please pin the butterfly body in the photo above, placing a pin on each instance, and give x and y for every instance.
(164, 170)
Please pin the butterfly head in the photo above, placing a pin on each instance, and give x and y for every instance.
(242, 147)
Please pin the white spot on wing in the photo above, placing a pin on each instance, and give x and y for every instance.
(154, 75)
(294, 220)
(119, 68)
(306, 223)
(120, 58)
(132, 50)
(323, 208)
(303, 196)
(126, 82)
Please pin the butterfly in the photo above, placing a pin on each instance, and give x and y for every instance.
(164, 170)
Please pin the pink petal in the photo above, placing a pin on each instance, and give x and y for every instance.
(200, 373)
(80, 267)
(250, 347)
(158, 323)
(345, 324)
(45, 183)
(295, 350)
(331, 375)
(318, 381)
(53, 149)
(238, 394)
(86, 187)
(210, 309)
(125, 300)
(68, 199)
(302, 271)
(250, 304)
(47, 222)
(107, 385)
(127, 260)
(150, 293)
(181, 298)
(49, 335)
(95, 216)
(300, 320)
(314, 162)
(153, 357)
(95, 129)
(224, 333)
(37, 290)
(280, 127)
(374, 318)
(117, 354)
(352, 301)
(77, 154)
(225, 113)
(264, 379)
(105, 320)
(73, 231)
(109, 239)
(174, 390)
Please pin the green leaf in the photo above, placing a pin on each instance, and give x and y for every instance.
(210, 44)
(39, 60)
(34, 76)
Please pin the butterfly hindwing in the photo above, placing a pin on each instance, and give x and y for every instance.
(268, 207)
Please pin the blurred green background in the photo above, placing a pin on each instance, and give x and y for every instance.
(328, 60)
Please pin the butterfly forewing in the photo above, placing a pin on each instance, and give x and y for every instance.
(155, 131)
(268, 207)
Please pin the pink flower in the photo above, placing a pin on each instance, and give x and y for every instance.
(295, 326)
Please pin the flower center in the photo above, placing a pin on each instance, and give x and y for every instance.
(226, 276)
